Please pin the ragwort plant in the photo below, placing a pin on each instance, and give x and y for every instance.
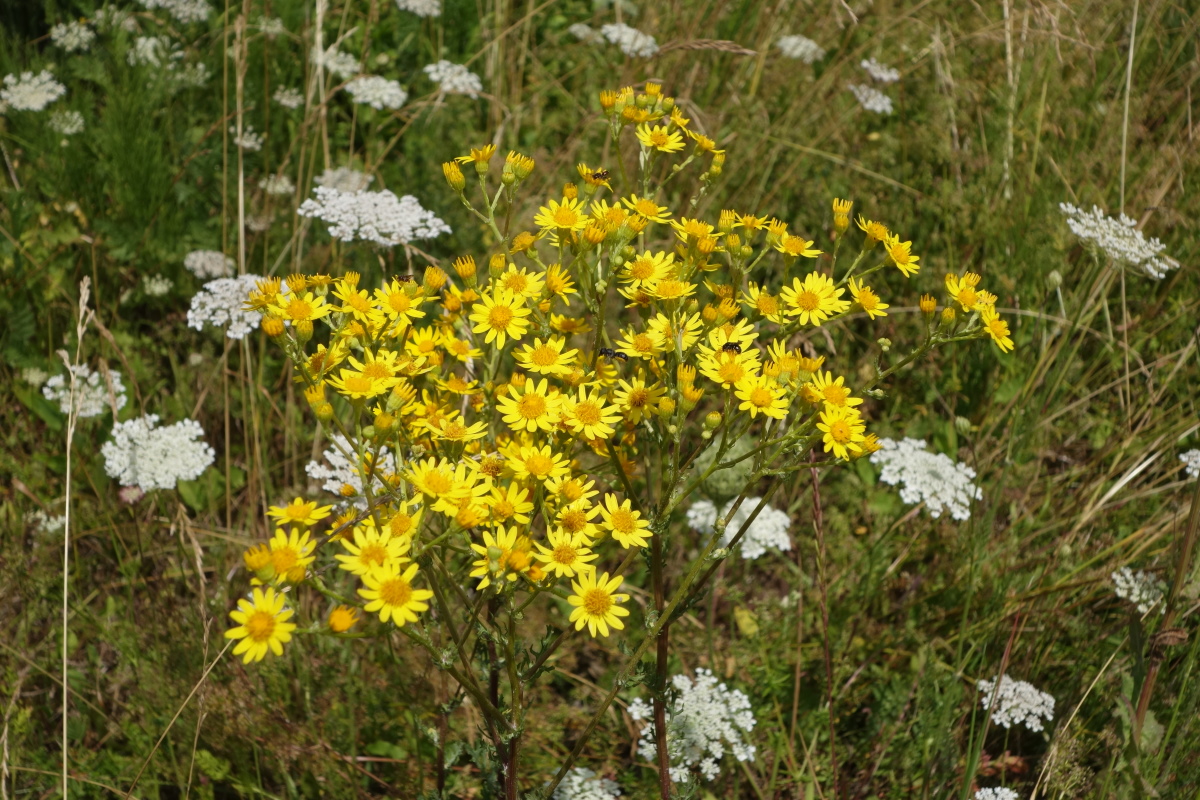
(522, 432)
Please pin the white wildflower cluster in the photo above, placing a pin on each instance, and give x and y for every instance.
(277, 185)
(705, 720)
(1140, 588)
(205, 264)
(582, 783)
(1017, 703)
(74, 36)
(341, 475)
(632, 42)
(801, 47)
(249, 140)
(930, 478)
(288, 97)
(221, 302)
(30, 92)
(184, 11)
(1191, 463)
(271, 27)
(34, 376)
(66, 123)
(586, 33)
(1119, 239)
(870, 98)
(996, 793)
(422, 8)
(454, 78)
(156, 285)
(144, 455)
(46, 524)
(880, 72)
(153, 51)
(343, 65)
(344, 179)
(378, 217)
(110, 18)
(768, 530)
(377, 92)
(193, 75)
(91, 397)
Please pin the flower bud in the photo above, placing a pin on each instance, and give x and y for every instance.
(962, 425)
(928, 306)
(435, 279)
(507, 178)
(711, 420)
(884, 344)
(464, 267)
(273, 326)
(841, 214)
(949, 318)
(570, 191)
(315, 395)
(691, 396)
(666, 407)
(324, 412)
(496, 265)
(1054, 279)
(454, 176)
(303, 329)
(342, 619)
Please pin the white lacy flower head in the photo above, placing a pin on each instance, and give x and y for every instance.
(584, 784)
(1119, 239)
(144, 455)
(271, 27)
(91, 397)
(205, 264)
(1140, 588)
(870, 98)
(422, 8)
(193, 75)
(249, 140)
(454, 78)
(586, 33)
(335, 61)
(277, 185)
(880, 72)
(259, 223)
(30, 92)
(340, 474)
(1017, 703)
(153, 51)
(110, 18)
(1191, 463)
(377, 92)
(66, 123)
(184, 11)
(930, 478)
(74, 36)
(996, 793)
(705, 719)
(288, 97)
(378, 217)
(345, 179)
(801, 47)
(34, 376)
(769, 530)
(221, 303)
(632, 42)
(156, 285)
(46, 524)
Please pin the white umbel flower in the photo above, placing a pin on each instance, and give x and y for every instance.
(378, 217)
(632, 42)
(880, 72)
(1120, 240)
(343, 65)
(34, 376)
(46, 524)
(152, 51)
(586, 33)
(271, 27)
(344, 179)
(1017, 703)
(206, 264)
(582, 783)
(91, 397)
(870, 98)
(184, 11)
(800, 47)
(249, 140)
(706, 719)
(996, 793)
(221, 302)
(30, 92)
(422, 8)
(288, 97)
(377, 92)
(144, 455)
(454, 78)
(66, 123)
(156, 285)
(768, 531)
(930, 478)
(1140, 588)
(74, 36)
(341, 476)
(277, 185)
(1191, 463)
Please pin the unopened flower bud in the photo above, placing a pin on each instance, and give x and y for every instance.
(884, 344)
(949, 317)
(1054, 279)
(496, 265)
(928, 306)
(666, 407)
(435, 279)
(303, 329)
(570, 191)
(711, 420)
(962, 425)
(454, 176)
(273, 326)
(324, 412)
(315, 395)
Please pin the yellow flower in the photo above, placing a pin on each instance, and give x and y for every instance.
(597, 603)
(637, 399)
(532, 408)
(963, 291)
(436, 479)
(508, 504)
(647, 269)
(342, 619)
(546, 358)
(291, 553)
(765, 303)
(371, 548)
(567, 215)
(625, 524)
(589, 415)
(833, 392)
(481, 155)
(728, 367)
(354, 301)
(646, 208)
(875, 231)
(677, 336)
(659, 138)
(521, 282)
(558, 281)
(391, 593)
(794, 246)
(867, 299)
(397, 305)
(403, 523)
(461, 348)
(567, 555)
(571, 490)
(299, 512)
(996, 328)
(576, 519)
(645, 344)
(671, 289)
(301, 307)
(593, 176)
(569, 325)
(843, 429)
(262, 625)
(901, 255)
(691, 229)
(741, 333)
(539, 464)
(814, 300)
(761, 395)
(504, 557)
(502, 316)
(455, 430)
(358, 386)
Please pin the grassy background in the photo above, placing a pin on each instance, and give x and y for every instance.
(1003, 111)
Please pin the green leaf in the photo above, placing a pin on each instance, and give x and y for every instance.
(384, 749)
(46, 411)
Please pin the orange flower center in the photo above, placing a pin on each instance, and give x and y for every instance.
(565, 554)
(499, 317)
(573, 521)
(588, 413)
(597, 602)
(438, 483)
(531, 406)
(373, 554)
(761, 397)
(539, 465)
(395, 592)
(544, 356)
(260, 625)
(808, 300)
(299, 309)
(835, 394)
(840, 431)
(623, 521)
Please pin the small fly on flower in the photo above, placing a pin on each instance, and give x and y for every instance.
(732, 347)
(405, 278)
(600, 176)
(610, 354)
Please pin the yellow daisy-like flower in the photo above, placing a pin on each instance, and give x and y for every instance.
(509, 504)
(589, 415)
(577, 519)
(646, 208)
(291, 553)
(679, 336)
(963, 291)
(647, 269)
(301, 307)
(503, 557)
(659, 138)
(404, 522)
(382, 364)
(597, 602)
(372, 548)
(814, 300)
(641, 344)
(867, 300)
(691, 229)
(342, 619)
(501, 315)
(354, 301)
(423, 342)
(795, 246)
(455, 430)
(540, 464)
(875, 231)
(567, 555)
(593, 176)
(625, 524)
(397, 305)
(546, 358)
(391, 593)
(569, 325)
(530, 408)
(637, 399)
(521, 282)
(299, 512)
(901, 255)
(480, 155)
(358, 386)
(768, 305)
(262, 625)
(843, 429)
(760, 395)
(567, 215)
(461, 349)
(741, 333)
(671, 289)
(996, 328)
(435, 479)
(558, 281)
(832, 391)
(728, 367)
(571, 490)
